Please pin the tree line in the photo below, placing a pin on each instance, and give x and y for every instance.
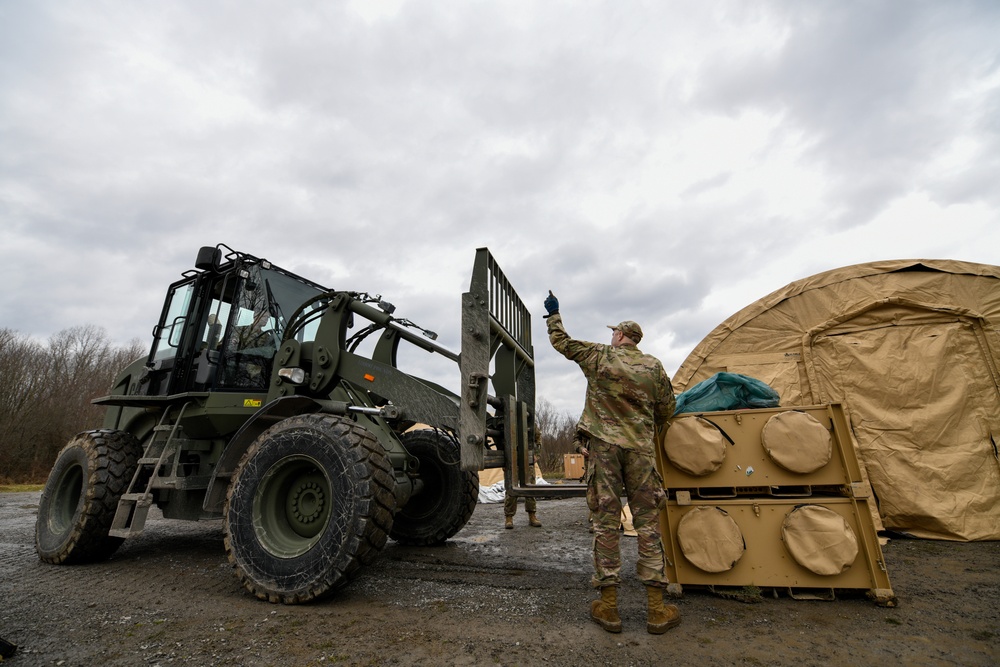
(45, 394)
(46, 390)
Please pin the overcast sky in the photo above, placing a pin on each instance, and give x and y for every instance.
(666, 162)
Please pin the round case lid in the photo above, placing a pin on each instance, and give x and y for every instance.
(710, 539)
(819, 539)
(695, 445)
(796, 441)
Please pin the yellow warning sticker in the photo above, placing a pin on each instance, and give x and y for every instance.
(252, 402)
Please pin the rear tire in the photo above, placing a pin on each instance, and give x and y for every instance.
(447, 498)
(81, 497)
(311, 501)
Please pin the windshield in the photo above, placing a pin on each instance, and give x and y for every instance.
(255, 315)
(284, 294)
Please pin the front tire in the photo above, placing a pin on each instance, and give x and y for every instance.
(81, 497)
(311, 501)
(448, 494)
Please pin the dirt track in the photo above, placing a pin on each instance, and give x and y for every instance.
(488, 597)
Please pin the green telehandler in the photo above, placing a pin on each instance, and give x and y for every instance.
(255, 406)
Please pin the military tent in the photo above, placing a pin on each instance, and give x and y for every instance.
(911, 348)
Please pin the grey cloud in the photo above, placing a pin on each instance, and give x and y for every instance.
(378, 155)
(706, 185)
(876, 92)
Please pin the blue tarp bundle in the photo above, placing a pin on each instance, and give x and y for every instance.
(727, 391)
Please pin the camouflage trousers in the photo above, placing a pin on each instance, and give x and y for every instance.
(611, 473)
(510, 504)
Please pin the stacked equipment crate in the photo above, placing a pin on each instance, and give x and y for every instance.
(771, 498)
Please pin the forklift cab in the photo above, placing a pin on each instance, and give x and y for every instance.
(222, 324)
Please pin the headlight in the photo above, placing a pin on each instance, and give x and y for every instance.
(296, 376)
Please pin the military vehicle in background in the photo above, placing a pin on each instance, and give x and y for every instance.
(255, 406)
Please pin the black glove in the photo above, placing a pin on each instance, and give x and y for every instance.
(551, 304)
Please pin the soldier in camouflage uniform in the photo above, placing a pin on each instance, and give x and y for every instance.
(629, 397)
(510, 509)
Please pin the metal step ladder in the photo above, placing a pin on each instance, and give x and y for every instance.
(133, 507)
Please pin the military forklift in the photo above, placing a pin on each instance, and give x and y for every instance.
(256, 406)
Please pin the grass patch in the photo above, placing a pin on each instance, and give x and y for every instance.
(20, 488)
(893, 621)
(983, 635)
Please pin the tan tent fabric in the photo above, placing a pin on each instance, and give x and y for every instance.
(627, 528)
(796, 441)
(491, 476)
(710, 539)
(911, 348)
(695, 445)
(819, 539)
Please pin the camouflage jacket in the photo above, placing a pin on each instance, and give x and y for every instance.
(629, 394)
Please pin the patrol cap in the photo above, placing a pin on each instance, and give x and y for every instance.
(629, 328)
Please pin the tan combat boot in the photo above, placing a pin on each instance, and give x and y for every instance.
(533, 520)
(605, 610)
(508, 523)
(660, 617)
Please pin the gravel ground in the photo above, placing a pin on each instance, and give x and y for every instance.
(488, 597)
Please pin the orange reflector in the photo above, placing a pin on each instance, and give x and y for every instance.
(369, 377)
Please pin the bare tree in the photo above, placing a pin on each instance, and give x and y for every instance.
(46, 393)
(557, 430)
(23, 368)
